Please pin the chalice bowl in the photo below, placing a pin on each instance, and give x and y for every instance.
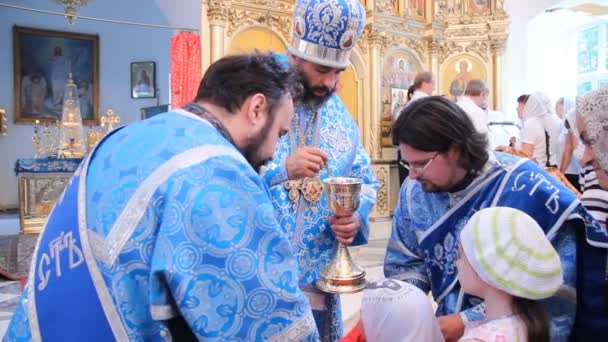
(342, 275)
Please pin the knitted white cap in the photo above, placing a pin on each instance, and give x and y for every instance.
(508, 250)
(392, 310)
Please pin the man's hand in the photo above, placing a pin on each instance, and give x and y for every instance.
(345, 227)
(306, 162)
(452, 327)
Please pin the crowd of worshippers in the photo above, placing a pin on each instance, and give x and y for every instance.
(210, 222)
(522, 227)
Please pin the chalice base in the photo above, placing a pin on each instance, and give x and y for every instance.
(344, 286)
(342, 275)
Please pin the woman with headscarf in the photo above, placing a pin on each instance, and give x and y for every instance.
(592, 291)
(541, 130)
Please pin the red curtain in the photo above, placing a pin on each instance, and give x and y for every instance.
(185, 68)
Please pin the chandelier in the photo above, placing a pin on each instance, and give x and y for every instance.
(71, 8)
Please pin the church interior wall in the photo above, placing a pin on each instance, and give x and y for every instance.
(119, 45)
(554, 60)
(541, 51)
(515, 61)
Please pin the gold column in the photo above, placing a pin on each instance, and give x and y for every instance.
(205, 37)
(433, 49)
(218, 17)
(434, 36)
(429, 11)
(497, 48)
(499, 6)
(374, 40)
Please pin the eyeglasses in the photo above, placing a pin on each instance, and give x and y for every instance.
(419, 170)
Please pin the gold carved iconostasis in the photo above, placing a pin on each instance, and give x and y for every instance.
(456, 40)
(399, 69)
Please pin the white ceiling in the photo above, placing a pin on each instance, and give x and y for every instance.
(591, 7)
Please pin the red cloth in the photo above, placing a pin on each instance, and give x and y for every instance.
(185, 68)
(9, 276)
(355, 335)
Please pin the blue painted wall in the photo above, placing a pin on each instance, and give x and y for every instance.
(119, 45)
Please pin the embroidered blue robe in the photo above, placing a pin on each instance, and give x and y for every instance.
(336, 133)
(424, 242)
(166, 220)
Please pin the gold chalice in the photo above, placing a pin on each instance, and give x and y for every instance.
(342, 275)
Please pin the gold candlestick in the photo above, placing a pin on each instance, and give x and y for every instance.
(37, 141)
(3, 123)
(71, 135)
(93, 137)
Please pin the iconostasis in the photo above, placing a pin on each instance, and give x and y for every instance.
(456, 40)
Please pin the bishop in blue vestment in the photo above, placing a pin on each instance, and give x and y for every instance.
(322, 133)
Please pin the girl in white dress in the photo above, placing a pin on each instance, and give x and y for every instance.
(506, 259)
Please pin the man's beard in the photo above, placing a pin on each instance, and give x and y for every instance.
(430, 187)
(451, 187)
(309, 98)
(251, 150)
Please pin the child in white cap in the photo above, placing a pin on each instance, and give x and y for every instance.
(506, 259)
(392, 310)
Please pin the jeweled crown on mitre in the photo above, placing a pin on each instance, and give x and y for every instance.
(326, 31)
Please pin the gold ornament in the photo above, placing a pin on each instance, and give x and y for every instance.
(312, 189)
(109, 120)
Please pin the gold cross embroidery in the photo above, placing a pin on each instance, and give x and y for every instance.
(294, 187)
(311, 189)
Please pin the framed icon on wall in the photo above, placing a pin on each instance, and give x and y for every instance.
(143, 80)
(44, 60)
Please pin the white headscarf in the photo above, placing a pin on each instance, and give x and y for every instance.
(593, 108)
(538, 105)
(392, 310)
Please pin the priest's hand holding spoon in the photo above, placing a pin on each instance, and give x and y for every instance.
(305, 162)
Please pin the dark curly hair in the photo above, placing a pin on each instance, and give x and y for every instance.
(232, 79)
(434, 123)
